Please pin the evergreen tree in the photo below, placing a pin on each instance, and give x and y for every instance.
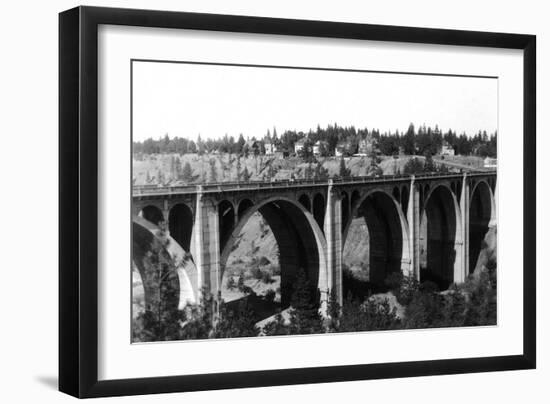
(240, 282)
(305, 317)
(200, 146)
(240, 144)
(231, 284)
(236, 322)
(429, 165)
(343, 172)
(409, 141)
(308, 172)
(213, 171)
(321, 173)
(413, 166)
(245, 176)
(191, 147)
(187, 173)
(238, 168)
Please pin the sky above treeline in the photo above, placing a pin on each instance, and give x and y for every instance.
(186, 100)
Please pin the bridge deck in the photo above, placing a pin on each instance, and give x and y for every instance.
(141, 191)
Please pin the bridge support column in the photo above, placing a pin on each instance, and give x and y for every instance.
(413, 217)
(463, 270)
(206, 248)
(333, 234)
(166, 214)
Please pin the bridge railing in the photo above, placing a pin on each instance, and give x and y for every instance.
(143, 190)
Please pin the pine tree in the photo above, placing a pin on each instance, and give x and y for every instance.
(429, 165)
(187, 174)
(177, 167)
(245, 176)
(213, 172)
(321, 173)
(240, 144)
(240, 283)
(409, 141)
(305, 317)
(344, 172)
(308, 172)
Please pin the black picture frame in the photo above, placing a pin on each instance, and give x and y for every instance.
(78, 206)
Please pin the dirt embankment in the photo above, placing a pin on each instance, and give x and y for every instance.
(169, 169)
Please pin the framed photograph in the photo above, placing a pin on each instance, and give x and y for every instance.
(251, 201)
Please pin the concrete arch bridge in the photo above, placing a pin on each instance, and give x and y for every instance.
(430, 226)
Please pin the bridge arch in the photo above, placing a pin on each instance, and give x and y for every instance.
(405, 199)
(299, 238)
(345, 204)
(355, 197)
(226, 217)
(439, 236)
(387, 234)
(482, 215)
(152, 214)
(319, 208)
(396, 193)
(180, 225)
(244, 205)
(305, 201)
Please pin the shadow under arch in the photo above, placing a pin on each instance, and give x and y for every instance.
(387, 233)
(180, 224)
(439, 236)
(305, 201)
(319, 210)
(152, 214)
(299, 238)
(226, 217)
(482, 215)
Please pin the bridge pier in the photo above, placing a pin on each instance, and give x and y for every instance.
(333, 234)
(166, 214)
(462, 270)
(206, 246)
(413, 219)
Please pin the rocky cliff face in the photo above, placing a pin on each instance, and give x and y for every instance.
(356, 249)
(488, 254)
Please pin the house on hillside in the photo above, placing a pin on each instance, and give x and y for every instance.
(281, 152)
(344, 148)
(447, 149)
(368, 146)
(319, 147)
(253, 146)
(269, 148)
(490, 162)
(299, 145)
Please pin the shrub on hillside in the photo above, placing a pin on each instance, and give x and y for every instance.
(362, 316)
(237, 322)
(263, 261)
(276, 327)
(402, 286)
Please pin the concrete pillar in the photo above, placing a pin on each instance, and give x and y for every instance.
(463, 269)
(413, 219)
(166, 214)
(206, 246)
(333, 234)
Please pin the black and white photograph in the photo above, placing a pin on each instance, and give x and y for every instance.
(287, 200)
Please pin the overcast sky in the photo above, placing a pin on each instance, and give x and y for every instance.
(188, 100)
